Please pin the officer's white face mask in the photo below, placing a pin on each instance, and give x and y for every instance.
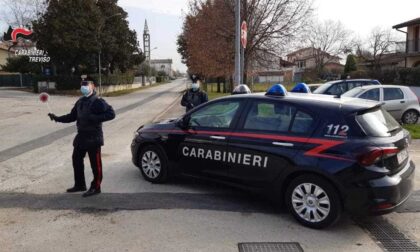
(85, 90)
(195, 86)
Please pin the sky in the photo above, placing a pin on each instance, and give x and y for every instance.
(165, 19)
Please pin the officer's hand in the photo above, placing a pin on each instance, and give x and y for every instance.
(52, 117)
(191, 105)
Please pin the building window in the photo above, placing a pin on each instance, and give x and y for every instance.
(301, 64)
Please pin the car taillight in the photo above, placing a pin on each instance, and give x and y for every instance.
(376, 154)
(382, 206)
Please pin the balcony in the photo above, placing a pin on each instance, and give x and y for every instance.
(412, 45)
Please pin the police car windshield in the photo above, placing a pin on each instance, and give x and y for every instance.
(378, 123)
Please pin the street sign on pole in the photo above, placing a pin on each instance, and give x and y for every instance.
(244, 34)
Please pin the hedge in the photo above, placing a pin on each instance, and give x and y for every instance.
(399, 76)
(67, 82)
(409, 76)
(115, 79)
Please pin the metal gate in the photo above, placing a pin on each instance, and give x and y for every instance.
(16, 80)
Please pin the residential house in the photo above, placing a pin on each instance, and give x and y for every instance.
(5, 54)
(305, 59)
(411, 47)
(164, 65)
(274, 70)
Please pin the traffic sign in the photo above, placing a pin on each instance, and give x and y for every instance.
(244, 34)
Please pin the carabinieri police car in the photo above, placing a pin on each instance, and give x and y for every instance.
(319, 155)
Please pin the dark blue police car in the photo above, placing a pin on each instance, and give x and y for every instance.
(320, 155)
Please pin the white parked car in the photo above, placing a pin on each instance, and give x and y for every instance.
(399, 101)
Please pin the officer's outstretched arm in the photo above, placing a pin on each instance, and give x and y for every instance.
(69, 118)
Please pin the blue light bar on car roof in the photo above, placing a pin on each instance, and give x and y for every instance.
(277, 90)
(301, 88)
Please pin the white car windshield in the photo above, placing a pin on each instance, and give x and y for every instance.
(354, 92)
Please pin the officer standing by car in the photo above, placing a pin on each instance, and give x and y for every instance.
(90, 112)
(194, 96)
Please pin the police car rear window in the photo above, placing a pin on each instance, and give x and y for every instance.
(378, 123)
(302, 123)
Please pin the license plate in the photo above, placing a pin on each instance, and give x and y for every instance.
(402, 156)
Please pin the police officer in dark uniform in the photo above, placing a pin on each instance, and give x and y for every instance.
(90, 112)
(194, 96)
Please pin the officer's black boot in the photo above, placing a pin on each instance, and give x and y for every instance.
(76, 189)
(92, 191)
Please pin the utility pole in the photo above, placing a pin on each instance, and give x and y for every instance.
(238, 74)
(100, 70)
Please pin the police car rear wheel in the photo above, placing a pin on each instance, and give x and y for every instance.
(313, 201)
(153, 164)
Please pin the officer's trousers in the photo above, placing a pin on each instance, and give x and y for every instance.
(78, 166)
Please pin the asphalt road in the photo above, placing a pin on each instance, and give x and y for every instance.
(132, 214)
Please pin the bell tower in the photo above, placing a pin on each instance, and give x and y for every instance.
(146, 42)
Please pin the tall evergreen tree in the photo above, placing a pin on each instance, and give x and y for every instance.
(350, 64)
(75, 31)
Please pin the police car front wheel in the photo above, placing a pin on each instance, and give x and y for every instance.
(313, 201)
(153, 164)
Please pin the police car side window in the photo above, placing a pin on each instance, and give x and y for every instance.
(269, 116)
(216, 115)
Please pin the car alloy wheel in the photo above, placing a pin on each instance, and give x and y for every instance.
(311, 202)
(151, 164)
(410, 117)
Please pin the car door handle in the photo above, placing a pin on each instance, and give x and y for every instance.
(402, 101)
(218, 137)
(283, 144)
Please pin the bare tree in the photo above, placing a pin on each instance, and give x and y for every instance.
(328, 40)
(380, 42)
(209, 32)
(360, 50)
(21, 13)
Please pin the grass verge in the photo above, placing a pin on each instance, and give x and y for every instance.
(214, 95)
(414, 130)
